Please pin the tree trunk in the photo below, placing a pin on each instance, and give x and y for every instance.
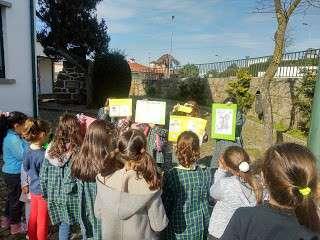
(89, 86)
(268, 77)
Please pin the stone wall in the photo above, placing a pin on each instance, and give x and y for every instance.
(282, 93)
(254, 141)
(70, 85)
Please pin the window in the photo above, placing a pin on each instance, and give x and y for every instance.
(2, 69)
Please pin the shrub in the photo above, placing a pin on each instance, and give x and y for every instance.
(189, 71)
(240, 90)
(111, 77)
(304, 96)
(194, 89)
(212, 73)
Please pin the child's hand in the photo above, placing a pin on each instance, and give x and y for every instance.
(175, 107)
(25, 189)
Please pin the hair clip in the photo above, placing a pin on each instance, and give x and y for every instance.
(305, 191)
(244, 167)
(142, 150)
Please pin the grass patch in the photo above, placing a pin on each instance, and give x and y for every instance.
(296, 133)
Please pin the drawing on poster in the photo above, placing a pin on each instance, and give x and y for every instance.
(224, 119)
(120, 107)
(179, 124)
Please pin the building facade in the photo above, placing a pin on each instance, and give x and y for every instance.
(18, 87)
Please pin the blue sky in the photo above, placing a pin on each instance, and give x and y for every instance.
(203, 30)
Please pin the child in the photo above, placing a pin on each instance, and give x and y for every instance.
(85, 167)
(234, 186)
(36, 132)
(157, 146)
(220, 144)
(129, 201)
(61, 193)
(290, 174)
(186, 192)
(25, 196)
(188, 109)
(103, 112)
(13, 149)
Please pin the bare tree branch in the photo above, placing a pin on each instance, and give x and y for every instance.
(292, 7)
(68, 57)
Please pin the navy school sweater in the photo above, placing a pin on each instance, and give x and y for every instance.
(265, 222)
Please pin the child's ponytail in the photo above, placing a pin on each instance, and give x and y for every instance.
(146, 167)
(132, 149)
(34, 127)
(290, 173)
(239, 162)
(307, 214)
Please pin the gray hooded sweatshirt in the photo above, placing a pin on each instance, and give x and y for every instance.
(127, 208)
(231, 193)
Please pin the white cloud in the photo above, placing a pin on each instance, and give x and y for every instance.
(110, 10)
(304, 45)
(234, 39)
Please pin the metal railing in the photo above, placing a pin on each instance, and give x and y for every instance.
(293, 65)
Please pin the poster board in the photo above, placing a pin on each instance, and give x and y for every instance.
(224, 117)
(120, 107)
(153, 112)
(179, 124)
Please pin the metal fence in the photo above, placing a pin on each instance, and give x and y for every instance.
(293, 65)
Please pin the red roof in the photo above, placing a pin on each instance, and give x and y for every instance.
(139, 68)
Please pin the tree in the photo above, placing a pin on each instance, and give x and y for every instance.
(71, 30)
(189, 71)
(283, 10)
(111, 77)
(166, 60)
(240, 90)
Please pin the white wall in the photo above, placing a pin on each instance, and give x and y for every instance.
(17, 57)
(45, 75)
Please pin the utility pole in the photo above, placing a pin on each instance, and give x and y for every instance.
(170, 54)
(314, 133)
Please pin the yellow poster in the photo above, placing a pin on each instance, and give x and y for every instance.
(179, 124)
(120, 107)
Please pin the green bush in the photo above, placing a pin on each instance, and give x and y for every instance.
(213, 73)
(111, 77)
(240, 90)
(304, 96)
(194, 89)
(150, 90)
(189, 71)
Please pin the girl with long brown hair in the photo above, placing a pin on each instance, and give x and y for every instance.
(58, 190)
(291, 177)
(94, 155)
(186, 192)
(235, 185)
(129, 201)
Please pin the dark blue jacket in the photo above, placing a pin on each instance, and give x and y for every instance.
(32, 163)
